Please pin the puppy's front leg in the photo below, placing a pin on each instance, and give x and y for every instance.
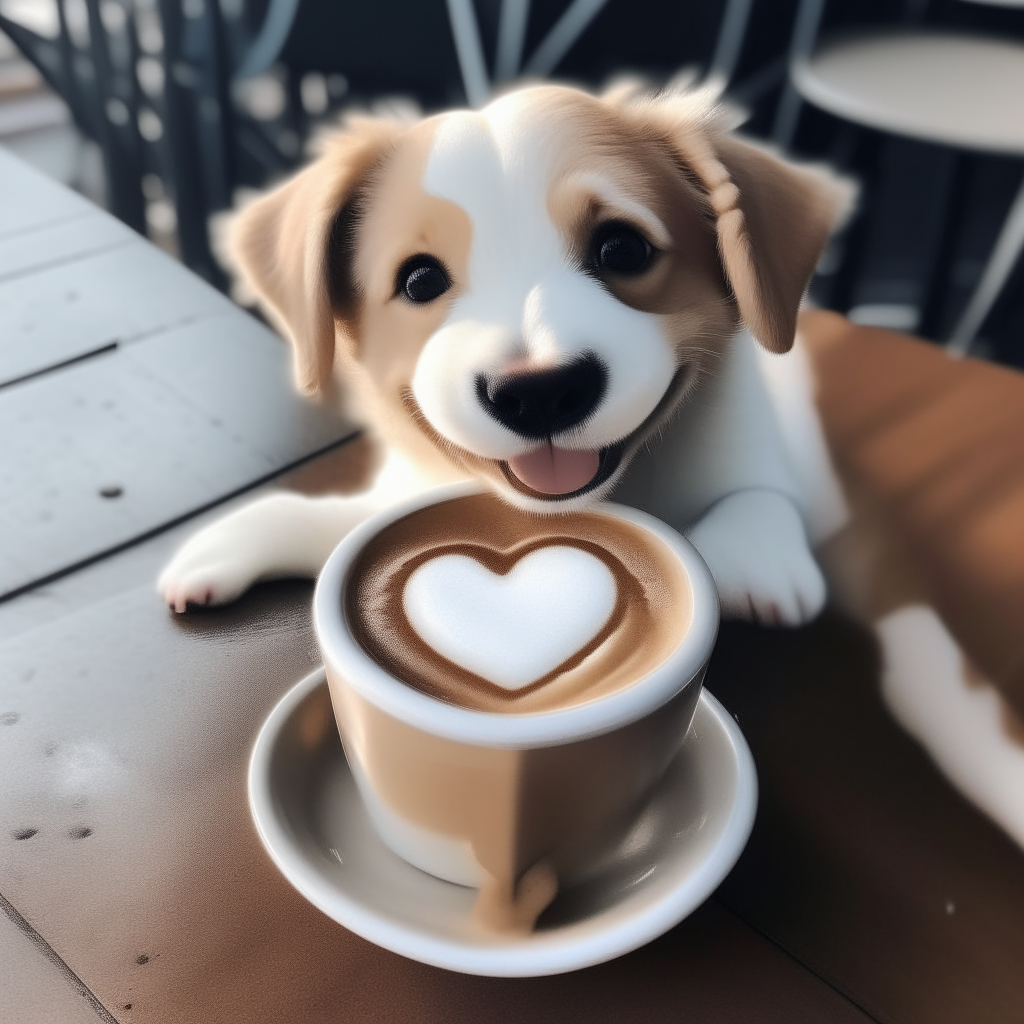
(277, 536)
(756, 547)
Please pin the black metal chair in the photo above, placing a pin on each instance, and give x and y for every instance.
(190, 99)
(953, 80)
(147, 83)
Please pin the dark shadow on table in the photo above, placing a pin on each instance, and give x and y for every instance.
(864, 863)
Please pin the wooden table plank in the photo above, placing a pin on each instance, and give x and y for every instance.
(342, 470)
(52, 244)
(35, 989)
(129, 757)
(169, 426)
(238, 374)
(121, 373)
(118, 295)
(29, 199)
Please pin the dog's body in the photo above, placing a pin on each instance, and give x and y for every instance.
(452, 273)
(556, 295)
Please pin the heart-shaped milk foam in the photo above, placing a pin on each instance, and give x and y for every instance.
(514, 629)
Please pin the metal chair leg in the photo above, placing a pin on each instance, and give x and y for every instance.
(466, 34)
(1001, 262)
(805, 31)
(562, 36)
(864, 166)
(515, 14)
(731, 34)
(943, 254)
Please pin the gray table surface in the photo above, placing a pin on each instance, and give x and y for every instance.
(122, 373)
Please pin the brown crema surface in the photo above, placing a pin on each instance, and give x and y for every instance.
(651, 615)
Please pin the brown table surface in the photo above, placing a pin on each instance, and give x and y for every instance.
(134, 887)
(144, 884)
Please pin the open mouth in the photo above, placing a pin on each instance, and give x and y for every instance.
(557, 474)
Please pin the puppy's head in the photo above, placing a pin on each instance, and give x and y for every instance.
(531, 289)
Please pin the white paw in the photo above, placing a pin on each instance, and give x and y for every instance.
(279, 535)
(755, 545)
(215, 566)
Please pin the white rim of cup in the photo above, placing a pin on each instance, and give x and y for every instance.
(342, 653)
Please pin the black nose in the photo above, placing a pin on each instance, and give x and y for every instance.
(545, 402)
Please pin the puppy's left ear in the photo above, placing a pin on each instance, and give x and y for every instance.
(773, 217)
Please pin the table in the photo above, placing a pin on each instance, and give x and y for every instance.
(132, 883)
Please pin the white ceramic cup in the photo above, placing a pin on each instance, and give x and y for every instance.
(577, 771)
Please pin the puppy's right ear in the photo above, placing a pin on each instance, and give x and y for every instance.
(773, 218)
(283, 246)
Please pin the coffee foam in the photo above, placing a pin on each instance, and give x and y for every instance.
(556, 599)
(650, 611)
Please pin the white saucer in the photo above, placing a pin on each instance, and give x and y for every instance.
(312, 822)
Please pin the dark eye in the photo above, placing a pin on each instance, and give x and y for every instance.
(621, 249)
(422, 279)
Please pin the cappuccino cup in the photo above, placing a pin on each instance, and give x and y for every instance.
(508, 687)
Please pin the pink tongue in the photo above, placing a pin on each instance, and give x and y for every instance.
(551, 470)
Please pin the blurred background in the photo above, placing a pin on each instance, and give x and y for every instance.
(163, 110)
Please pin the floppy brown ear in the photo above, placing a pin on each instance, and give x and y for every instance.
(281, 245)
(773, 217)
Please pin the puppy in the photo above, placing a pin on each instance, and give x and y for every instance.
(566, 297)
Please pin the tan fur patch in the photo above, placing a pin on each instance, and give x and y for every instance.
(773, 217)
(685, 285)
(400, 221)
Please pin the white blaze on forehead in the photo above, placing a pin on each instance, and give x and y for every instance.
(497, 170)
(502, 189)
